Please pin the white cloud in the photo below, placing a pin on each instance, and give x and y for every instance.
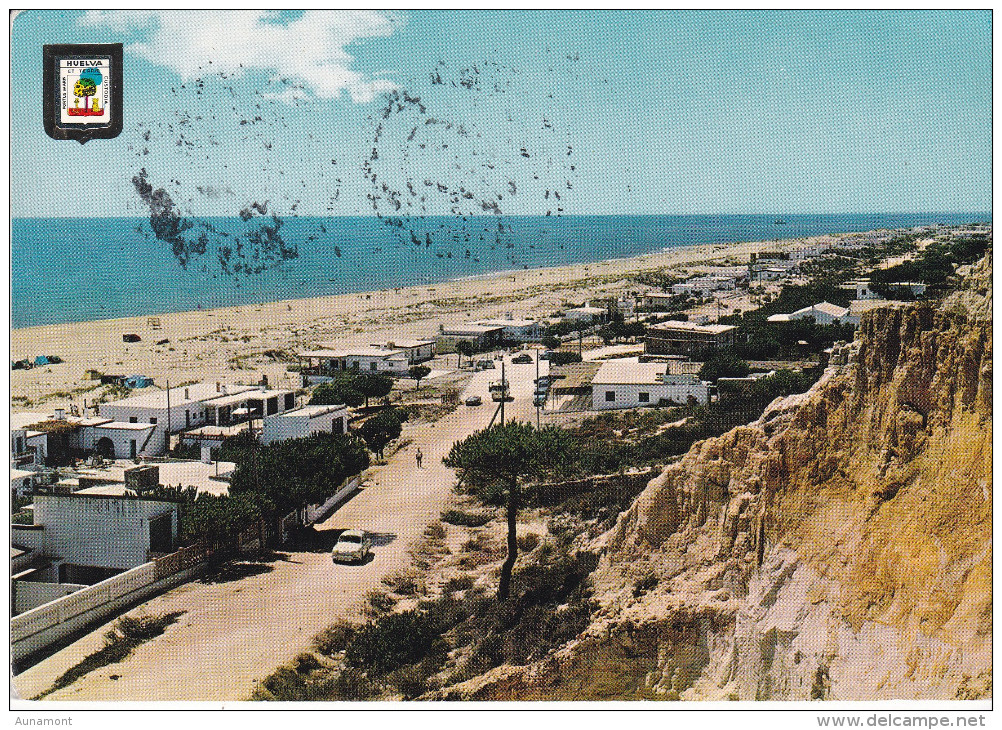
(310, 51)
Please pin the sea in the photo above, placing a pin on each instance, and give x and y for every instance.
(83, 269)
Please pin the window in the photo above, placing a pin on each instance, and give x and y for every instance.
(644, 397)
(610, 396)
(132, 448)
(153, 421)
(133, 419)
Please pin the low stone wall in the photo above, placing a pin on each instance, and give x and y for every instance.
(31, 594)
(34, 630)
(316, 512)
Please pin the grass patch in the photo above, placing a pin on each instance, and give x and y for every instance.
(128, 633)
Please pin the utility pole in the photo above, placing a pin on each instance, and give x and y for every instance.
(167, 435)
(537, 389)
(504, 390)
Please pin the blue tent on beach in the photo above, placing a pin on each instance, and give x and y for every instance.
(41, 360)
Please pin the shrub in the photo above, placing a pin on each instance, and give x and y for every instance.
(391, 642)
(466, 519)
(459, 583)
(528, 542)
(336, 638)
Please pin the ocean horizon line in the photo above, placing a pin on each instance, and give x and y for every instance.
(89, 269)
(488, 216)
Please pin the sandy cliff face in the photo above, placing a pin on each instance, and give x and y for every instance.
(837, 548)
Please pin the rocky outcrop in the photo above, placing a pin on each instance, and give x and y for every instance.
(837, 548)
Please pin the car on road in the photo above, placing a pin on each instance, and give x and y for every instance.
(474, 400)
(539, 400)
(546, 380)
(485, 364)
(546, 354)
(352, 546)
(522, 359)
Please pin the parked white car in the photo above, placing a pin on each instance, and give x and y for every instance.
(353, 546)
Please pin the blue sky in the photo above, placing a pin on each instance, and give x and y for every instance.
(670, 112)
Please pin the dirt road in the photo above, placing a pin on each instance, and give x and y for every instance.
(235, 632)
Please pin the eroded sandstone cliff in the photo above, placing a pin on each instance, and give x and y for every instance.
(837, 548)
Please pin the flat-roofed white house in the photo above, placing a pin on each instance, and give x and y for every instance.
(27, 447)
(305, 421)
(77, 540)
(323, 364)
(516, 330)
(824, 313)
(481, 336)
(629, 383)
(586, 314)
(54, 439)
(195, 405)
(705, 285)
(414, 350)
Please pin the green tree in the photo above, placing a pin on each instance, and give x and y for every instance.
(337, 392)
(85, 88)
(418, 372)
(498, 459)
(723, 364)
(288, 475)
(218, 520)
(464, 347)
(372, 385)
(382, 428)
(551, 342)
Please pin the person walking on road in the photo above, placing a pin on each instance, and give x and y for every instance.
(419, 456)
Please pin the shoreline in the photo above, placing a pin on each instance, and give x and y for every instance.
(243, 342)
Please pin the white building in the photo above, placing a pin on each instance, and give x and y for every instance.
(78, 540)
(22, 482)
(305, 421)
(56, 438)
(322, 365)
(195, 405)
(414, 350)
(629, 383)
(481, 336)
(823, 314)
(703, 286)
(515, 330)
(586, 314)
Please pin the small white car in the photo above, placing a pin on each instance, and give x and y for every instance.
(353, 546)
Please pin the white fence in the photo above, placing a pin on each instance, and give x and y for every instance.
(316, 511)
(40, 627)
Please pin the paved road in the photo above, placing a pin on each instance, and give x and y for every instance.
(235, 633)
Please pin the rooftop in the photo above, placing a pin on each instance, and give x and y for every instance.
(630, 371)
(182, 395)
(469, 329)
(196, 474)
(309, 411)
(377, 352)
(244, 396)
(406, 344)
(506, 322)
(710, 329)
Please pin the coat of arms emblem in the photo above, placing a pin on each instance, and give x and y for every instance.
(83, 91)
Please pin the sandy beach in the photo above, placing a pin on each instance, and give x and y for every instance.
(238, 344)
